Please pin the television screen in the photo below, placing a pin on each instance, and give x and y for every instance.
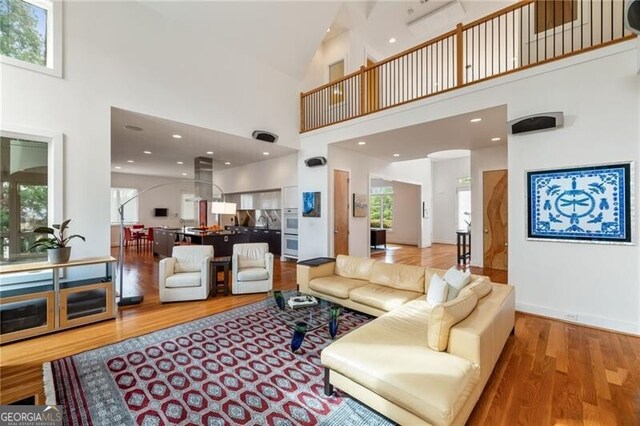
(160, 212)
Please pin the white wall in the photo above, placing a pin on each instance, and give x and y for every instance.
(274, 173)
(122, 54)
(445, 197)
(163, 197)
(599, 93)
(485, 159)
(361, 168)
(406, 214)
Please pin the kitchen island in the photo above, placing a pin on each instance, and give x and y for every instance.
(222, 241)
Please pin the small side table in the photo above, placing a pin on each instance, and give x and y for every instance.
(218, 263)
(464, 247)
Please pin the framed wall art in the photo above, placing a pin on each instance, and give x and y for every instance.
(588, 204)
(360, 205)
(311, 204)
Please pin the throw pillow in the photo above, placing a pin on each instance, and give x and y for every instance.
(437, 293)
(445, 316)
(481, 287)
(456, 281)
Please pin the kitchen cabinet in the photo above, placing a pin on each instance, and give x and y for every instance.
(290, 197)
(163, 241)
(272, 237)
(83, 294)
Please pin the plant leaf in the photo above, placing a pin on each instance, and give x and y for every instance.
(55, 226)
(66, 240)
(43, 230)
(64, 225)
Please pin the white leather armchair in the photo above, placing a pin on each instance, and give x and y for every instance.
(251, 268)
(186, 274)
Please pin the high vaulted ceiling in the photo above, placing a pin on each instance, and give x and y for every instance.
(282, 34)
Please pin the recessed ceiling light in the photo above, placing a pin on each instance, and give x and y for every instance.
(362, 143)
(210, 152)
(392, 40)
(495, 139)
(328, 30)
(177, 136)
(265, 153)
(476, 120)
(118, 167)
(396, 155)
(227, 163)
(130, 161)
(147, 152)
(179, 162)
(184, 174)
(133, 128)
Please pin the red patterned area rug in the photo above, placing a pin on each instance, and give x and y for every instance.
(231, 368)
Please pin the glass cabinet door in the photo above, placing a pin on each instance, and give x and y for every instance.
(85, 304)
(26, 315)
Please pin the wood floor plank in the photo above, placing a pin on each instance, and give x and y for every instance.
(550, 372)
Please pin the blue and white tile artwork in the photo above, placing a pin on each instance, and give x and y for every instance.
(580, 204)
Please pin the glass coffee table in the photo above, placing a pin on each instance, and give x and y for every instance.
(304, 319)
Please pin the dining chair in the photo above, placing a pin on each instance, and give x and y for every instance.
(129, 236)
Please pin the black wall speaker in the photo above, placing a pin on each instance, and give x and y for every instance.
(263, 135)
(315, 161)
(632, 13)
(536, 122)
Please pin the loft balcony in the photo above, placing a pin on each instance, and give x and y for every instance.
(524, 35)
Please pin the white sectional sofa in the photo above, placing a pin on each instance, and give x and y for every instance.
(415, 364)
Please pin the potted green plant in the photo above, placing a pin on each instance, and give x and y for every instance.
(56, 245)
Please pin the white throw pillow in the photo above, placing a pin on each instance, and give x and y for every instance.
(437, 292)
(456, 280)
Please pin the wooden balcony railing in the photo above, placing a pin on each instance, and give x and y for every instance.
(528, 33)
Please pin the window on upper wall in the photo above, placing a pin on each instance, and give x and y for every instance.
(381, 207)
(336, 72)
(24, 197)
(30, 33)
(119, 196)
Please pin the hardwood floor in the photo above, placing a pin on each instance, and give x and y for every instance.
(550, 372)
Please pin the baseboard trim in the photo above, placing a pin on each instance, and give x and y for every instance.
(599, 323)
(449, 242)
(402, 242)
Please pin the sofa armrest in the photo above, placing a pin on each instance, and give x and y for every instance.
(205, 272)
(307, 273)
(166, 268)
(481, 336)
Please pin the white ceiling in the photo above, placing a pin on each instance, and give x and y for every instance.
(282, 34)
(420, 140)
(166, 151)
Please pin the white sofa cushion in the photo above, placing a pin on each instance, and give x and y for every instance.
(358, 268)
(456, 280)
(189, 258)
(336, 286)
(433, 385)
(402, 277)
(382, 297)
(185, 279)
(438, 290)
(248, 262)
(253, 274)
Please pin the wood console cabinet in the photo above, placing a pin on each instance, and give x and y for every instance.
(38, 298)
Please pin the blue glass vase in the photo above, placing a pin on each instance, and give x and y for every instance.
(277, 295)
(333, 321)
(298, 335)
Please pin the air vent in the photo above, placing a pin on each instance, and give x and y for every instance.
(536, 122)
(263, 135)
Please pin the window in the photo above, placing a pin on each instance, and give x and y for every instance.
(24, 197)
(30, 34)
(381, 207)
(336, 72)
(464, 208)
(187, 206)
(119, 196)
